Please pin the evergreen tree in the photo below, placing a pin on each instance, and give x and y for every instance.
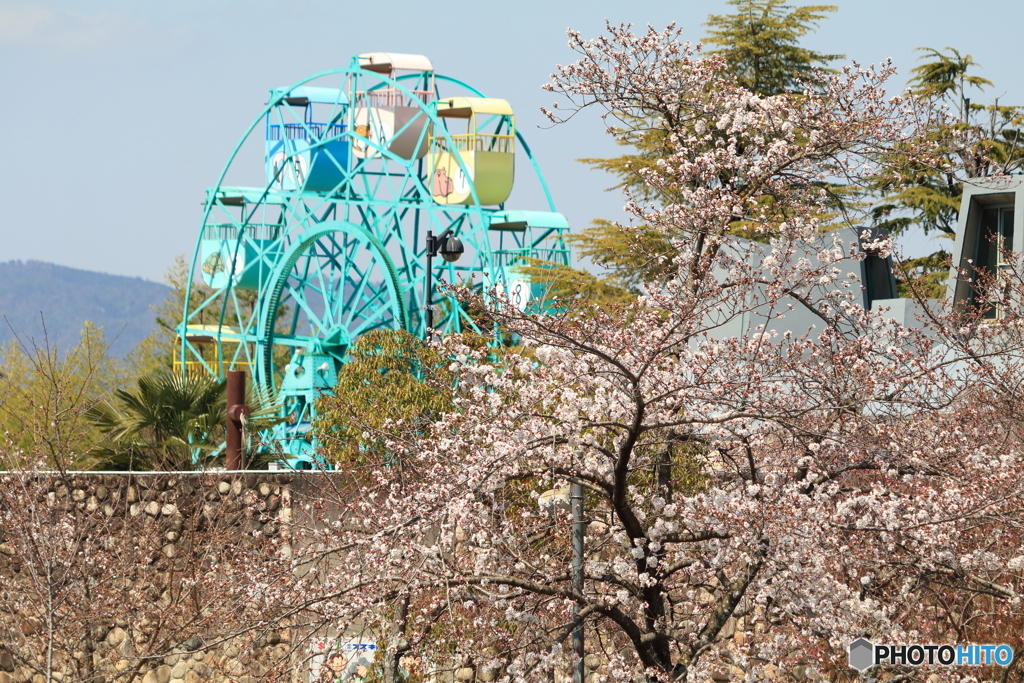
(760, 44)
(932, 201)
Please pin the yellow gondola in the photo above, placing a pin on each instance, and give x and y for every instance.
(205, 345)
(486, 150)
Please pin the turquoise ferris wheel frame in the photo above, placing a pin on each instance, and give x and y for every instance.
(333, 244)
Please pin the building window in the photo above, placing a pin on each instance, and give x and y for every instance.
(995, 238)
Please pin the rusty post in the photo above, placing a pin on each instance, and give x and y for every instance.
(236, 409)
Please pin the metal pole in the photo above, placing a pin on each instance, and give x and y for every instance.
(578, 528)
(429, 294)
(236, 409)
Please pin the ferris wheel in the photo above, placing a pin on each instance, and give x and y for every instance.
(328, 240)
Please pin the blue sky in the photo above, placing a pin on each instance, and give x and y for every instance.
(117, 115)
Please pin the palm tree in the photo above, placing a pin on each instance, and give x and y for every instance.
(170, 423)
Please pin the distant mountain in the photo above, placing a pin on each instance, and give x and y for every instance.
(67, 297)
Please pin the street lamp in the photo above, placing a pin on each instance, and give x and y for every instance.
(572, 498)
(450, 248)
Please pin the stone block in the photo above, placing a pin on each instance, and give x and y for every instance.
(233, 668)
(116, 636)
(465, 674)
(729, 628)
(193, 643)
(152, 508)
(224, 487)
(179, 670)
(6, 661)
(168, 509)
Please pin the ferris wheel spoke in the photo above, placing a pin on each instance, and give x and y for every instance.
(301, 301)
(379, 313)
(345, 301)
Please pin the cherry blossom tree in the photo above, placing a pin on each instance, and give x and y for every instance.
(757, 496)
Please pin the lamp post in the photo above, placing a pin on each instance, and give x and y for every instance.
(579, 526)
(573, 499)
(450, 248)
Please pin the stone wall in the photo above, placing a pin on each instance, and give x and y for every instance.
(143, 577)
